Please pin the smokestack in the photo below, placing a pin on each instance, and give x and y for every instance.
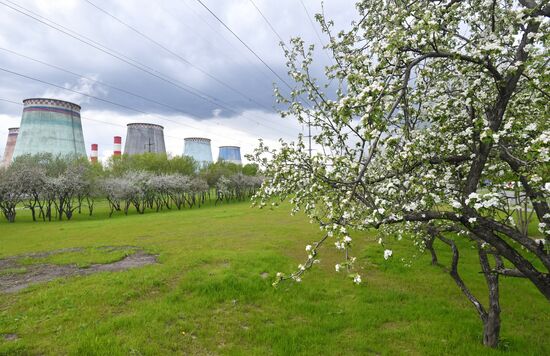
(144, 137)
(93, 155)
(230, 154)
(117, 149)
(50, 126)
(199, 149)
(10, 145)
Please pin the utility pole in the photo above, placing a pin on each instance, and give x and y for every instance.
(309, 134)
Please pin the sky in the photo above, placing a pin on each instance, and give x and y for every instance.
(171, 63)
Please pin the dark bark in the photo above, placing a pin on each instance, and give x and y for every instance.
(489, 317)
(491, 321)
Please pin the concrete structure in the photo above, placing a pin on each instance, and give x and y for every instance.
(93, 155)
(117, 147)
(143, 137)
(50, 126)
(230, 154)
(198, 148)
(10, 145)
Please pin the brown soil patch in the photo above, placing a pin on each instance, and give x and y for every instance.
(37, 273)
(10, 337)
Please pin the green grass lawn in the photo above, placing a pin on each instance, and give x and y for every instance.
(207, 295)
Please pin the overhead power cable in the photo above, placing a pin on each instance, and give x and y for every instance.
(138, 65)
(178, 56)
(198, 15)
(142, 67)
(97, 81)
(267, 21)
(315, 29)
(244, 44)
(104, 100)
(81, 76)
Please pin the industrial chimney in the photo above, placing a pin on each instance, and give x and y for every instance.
(199, 149)
(50, 126)
(117, 148)
(230, 154)
(93, 155)
(144, 137)
(10, 145)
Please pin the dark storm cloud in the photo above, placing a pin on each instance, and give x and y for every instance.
(182, 26)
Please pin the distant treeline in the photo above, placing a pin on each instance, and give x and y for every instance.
(55, 188)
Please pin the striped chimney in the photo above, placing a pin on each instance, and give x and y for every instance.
(93, 156)
(117, 151)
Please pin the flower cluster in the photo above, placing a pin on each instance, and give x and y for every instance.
(424, 131)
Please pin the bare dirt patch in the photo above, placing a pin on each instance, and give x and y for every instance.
(43, 272)
(10, 337)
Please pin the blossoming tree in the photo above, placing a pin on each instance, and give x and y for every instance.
(439, 129)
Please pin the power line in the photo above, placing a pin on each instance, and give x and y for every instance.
(118, 88)
(268, 22)
(254, 63)
(178, 56)
(101, 99)
(244, 44)
(129, 61)
(309, 136)
(108, 51)
(315, 29)
(96, 81)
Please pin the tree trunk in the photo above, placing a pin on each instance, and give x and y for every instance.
(429, 242)
(491, 319)
(491, 329)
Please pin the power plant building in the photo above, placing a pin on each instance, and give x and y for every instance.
(199, 149)
(144, 137)
(117, 146)
(94, 153)
(50, 126)
(10, 145)
(230, 154)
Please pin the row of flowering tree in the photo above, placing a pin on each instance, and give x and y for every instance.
(55, 188)
(438, 129)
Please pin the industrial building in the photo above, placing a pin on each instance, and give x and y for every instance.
(230, 154)
(199, 149)
(117, 146)
(10, 145)
(50, 126)
(144, 137)
(94, 153)
(54, 126)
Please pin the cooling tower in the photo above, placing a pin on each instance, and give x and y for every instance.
(117, 147)
(93, 155)
(10, 145)
(142, 138)
(199, 149)
(50, 126)
(230, 154)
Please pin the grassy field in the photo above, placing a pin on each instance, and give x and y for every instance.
(207, 295)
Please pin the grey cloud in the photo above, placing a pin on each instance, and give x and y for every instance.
(184, 27)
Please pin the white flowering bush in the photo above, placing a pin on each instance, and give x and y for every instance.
(439, 128)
